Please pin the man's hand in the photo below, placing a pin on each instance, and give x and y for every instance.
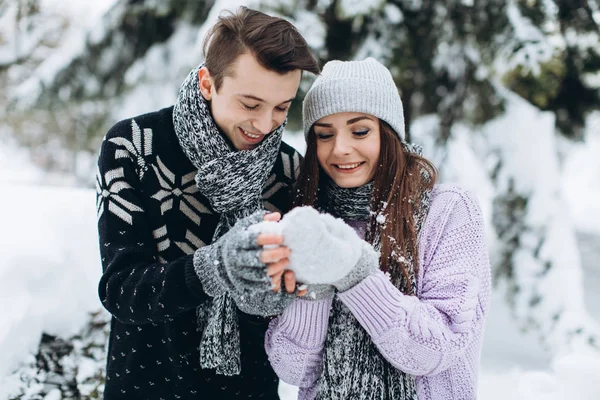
(276, 258)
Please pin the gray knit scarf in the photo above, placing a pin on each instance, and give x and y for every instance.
(353, 367)
(233, 182)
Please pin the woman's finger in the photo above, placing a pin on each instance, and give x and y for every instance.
(277, 267)
(274, 217)
(289, 280)
(269, 239)
(276, 281)
(273, 255)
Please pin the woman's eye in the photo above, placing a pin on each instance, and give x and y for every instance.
(324, 136)
(361, 133)
(249, 108)
(281, 109)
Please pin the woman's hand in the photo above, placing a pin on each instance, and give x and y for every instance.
(276, 256)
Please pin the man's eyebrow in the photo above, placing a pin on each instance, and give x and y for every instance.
(354, 120)
(251, 97)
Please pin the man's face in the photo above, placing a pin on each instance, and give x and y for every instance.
(250, 103)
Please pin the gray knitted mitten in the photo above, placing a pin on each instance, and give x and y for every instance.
(319, 291)
(367, 264)
(232, 264)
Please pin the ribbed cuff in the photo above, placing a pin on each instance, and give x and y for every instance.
(377, 304)
(306, 321)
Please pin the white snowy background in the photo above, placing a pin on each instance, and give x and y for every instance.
(50, 267)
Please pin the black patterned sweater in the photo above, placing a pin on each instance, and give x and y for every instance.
(151, 219)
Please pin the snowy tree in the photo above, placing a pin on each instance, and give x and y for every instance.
(556, 58)
(547, 59)
(66, 84)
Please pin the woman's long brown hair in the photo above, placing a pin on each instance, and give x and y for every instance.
(399, 182)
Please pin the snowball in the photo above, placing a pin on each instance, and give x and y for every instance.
(323, 249)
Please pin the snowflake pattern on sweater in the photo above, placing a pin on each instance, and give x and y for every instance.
(151, 219)
(436, 336)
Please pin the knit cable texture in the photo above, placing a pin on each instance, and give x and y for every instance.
(298, 335)
(436, 336)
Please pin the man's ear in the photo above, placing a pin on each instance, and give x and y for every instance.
(206, 83)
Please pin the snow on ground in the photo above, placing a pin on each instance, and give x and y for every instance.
(574, 376)
(50, 267)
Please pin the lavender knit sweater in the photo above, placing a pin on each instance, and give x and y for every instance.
(435, 336)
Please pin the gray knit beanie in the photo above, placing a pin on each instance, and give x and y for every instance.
(354, 86)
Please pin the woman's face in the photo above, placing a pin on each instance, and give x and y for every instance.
(348, 147)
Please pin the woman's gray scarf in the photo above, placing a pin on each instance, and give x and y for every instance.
(346, 203)
(353, 367)
(233, 182)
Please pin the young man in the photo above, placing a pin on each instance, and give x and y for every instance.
(187, 284)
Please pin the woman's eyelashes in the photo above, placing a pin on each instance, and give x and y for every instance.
(361, 133)
(324, 136)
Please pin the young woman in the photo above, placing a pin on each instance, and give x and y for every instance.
(409, 323)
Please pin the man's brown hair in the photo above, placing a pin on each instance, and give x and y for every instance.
(274, 42)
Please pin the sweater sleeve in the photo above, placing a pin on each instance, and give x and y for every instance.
(294, 341)
(136, 286)
(425, 335)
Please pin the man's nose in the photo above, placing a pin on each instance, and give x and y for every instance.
(264, 122)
